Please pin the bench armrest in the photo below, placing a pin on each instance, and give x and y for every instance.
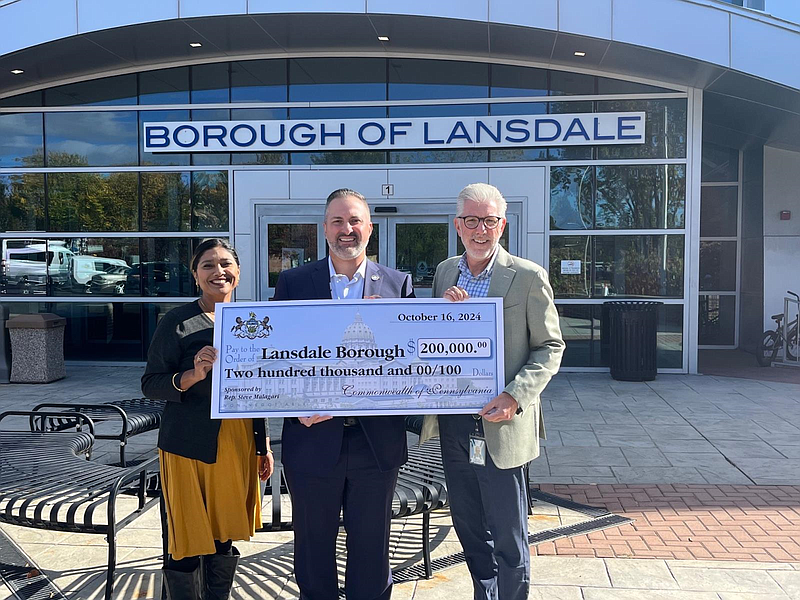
(81, 418)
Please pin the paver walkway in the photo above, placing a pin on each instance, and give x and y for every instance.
(708, 466)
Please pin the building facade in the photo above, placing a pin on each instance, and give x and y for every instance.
(646, 149)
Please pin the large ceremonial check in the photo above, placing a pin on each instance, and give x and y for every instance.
(356, 357)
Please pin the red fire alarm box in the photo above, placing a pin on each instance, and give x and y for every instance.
(786, 215)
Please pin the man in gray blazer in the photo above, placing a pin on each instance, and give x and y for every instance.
(488, 502)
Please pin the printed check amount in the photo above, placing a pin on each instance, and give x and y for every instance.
(358, 357)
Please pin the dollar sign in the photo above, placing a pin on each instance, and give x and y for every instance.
(412, 347)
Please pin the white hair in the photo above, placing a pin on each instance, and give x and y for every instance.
(480, 193)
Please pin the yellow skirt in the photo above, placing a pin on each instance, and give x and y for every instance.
(212, 502)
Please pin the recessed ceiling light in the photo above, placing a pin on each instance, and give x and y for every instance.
(17, 71)
(579, 53)
(195, 44)
(383, 38)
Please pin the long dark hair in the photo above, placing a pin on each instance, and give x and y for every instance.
(208, 244)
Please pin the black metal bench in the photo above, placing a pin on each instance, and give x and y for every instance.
(47, 483)
(420, 489)
(135, 416)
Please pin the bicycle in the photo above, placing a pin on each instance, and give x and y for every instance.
(773, 340)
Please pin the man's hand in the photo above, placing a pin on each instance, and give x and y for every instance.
(500, 408)
(309, 421)
(266, 465)
(456, 294)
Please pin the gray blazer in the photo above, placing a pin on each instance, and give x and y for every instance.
(532, 353)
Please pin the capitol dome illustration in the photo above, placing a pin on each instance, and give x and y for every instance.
(358, 335)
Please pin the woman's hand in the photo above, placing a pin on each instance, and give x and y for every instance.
(204, 361)
(266, 465)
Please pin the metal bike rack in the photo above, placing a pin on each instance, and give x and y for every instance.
(785, 359)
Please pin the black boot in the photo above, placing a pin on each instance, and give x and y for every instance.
(220, 571)
(183, 586)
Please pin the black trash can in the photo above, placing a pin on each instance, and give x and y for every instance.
(632, 327)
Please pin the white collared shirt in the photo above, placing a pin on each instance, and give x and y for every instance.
(343, 288)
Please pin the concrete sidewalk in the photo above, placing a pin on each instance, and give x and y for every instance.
(709, 468)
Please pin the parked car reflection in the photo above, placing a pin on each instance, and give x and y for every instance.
(112, 282)
(160, 279)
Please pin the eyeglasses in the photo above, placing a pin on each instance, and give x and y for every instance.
(489, 222)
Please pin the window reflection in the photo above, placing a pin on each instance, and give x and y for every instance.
(211, 158)
(162, 158)
(209, 201)
(337, 79)
(119, 90)
(439, 156)
(165, 86)
(35, 267)
(420, 248)
(164, 269)
(641, 197)
(290, 246)
(415, 79)
(718, 266)
(508, 80)
(665, 129)
(639, 265)
(91, 139)
(570, 266)
(21, 140)
(210, 83)
(719, 211)
(259, 81)
(22, 202)
(720, 163)
(166, 202)
(571, 193)
(717, 320)
(93, 201)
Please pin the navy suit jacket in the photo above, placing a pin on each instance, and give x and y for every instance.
(316, 449)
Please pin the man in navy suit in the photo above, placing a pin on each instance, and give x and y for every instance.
(343, 463)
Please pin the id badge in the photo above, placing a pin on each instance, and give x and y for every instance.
(477, 450)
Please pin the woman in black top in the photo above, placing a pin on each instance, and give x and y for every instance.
(209, 468)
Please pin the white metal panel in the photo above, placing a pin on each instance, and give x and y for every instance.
(205, 8)
(781, 185)
(536, 250)
(784, 9)
(102, 14)
(530, 183)
(249, 186)
(680, 27)
(474, 10)
(28, 23)
(585, 17)
(318, 185)
(434, 183)
(781, 257)
(542, 14)
(306, 6)
(765, 50)
(248, 275)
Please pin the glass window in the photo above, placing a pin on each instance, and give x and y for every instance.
(93, 201)
(162, 158)
(508, 81)
(22, 202)
(341, 157)
(640, 197)
(166, 202)
(209, 201)
(639, 265)
(35, 267)
(289, 246)
(717, 321)
(21, 140)
(117, 90)
(420, 247)
(91, 139)
(717, 266)
(98, 331)
(211, 158)
(442, 110)
(571, 279)
(163, 268)
(719, 210)
(259, 158)
(585, 331)
(608, 85)
(415, 79)
(517, 154)
(259, 81)
(98, 266)
(571, 191)
(165, 86)
(210, 83)
(438, 156)
(665, 129)
(720, 163)
(564, 83)
(29, 99)
(337, 79)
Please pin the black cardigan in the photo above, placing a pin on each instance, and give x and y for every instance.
(186, 426)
